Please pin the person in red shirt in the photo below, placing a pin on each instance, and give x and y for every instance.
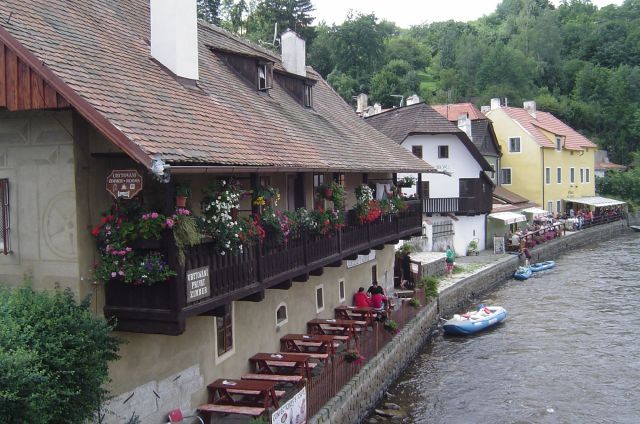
(378, 301)
(360, 299)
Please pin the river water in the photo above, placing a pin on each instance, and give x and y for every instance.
(569, 351)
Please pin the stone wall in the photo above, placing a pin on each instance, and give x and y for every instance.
(365, 390)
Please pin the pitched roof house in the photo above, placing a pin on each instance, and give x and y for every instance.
(136, 96)
(462, 189)
(544, 159)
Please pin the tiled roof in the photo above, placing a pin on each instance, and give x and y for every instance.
(609, 165)
(452, 112)
(421, 118)
(507, 196)
(548, 122)
(100, 49)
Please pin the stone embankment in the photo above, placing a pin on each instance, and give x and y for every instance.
(486, 272)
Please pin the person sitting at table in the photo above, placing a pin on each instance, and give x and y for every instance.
(380, 303)
(375, 288)
(360, 299)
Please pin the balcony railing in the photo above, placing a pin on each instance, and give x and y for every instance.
(459, 205)
(164, 307)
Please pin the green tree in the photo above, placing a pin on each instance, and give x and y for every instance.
(396, 78)
(209, 10)
(288, 14)
(54, 358)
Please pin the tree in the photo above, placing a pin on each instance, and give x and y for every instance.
(54, 357)
(288, 14)
(209, 10)
(396, 78)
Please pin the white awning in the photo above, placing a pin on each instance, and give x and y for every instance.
(535, 211)
(508, 217)
(597, 201)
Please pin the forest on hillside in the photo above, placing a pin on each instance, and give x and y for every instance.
(577, 61)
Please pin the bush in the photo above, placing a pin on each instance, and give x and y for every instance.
(430, 286)
(54, 357)
(415, 302)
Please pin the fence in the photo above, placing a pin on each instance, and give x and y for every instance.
(338, 372)
(442, 229)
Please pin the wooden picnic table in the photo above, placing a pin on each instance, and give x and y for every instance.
(323, 343)
(343, 327)
(222, 392)
(264, 363)
(366, 313)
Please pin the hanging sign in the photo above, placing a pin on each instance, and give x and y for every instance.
(124, 183)
(294, 411)
(198, 285)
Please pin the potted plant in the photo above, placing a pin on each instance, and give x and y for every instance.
(406, 182)
(353, 356)
(183, 191)
(415, 302)
(472, 248)
(391, 326)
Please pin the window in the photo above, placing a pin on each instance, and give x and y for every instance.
(558, 206)
(224, 331)
(587, 177)
(443, 152)
(318, 180)
(581, 175)
(465, 187)
(341, 292)
(549, 206)
(547, 175)
(559, 175)
(262, 77)
(319, 298)
(4, 217)
(505, 176)
(514, 144)
(281, 315)
(307, 95)
(340, 179)
(558, 144)
(572, 175)
(374, 273)
(417, 151)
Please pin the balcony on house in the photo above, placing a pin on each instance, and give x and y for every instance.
(475, 198)
(163, 308)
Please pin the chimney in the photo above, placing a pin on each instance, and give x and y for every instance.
(464, 123)
(293, 53)
(362, 102)
(413, 99)
(485, 109)
(377, 108)
(495, 103)
(174, 36)
(530, 107)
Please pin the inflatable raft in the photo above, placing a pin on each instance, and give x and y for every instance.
(472, 322)
(522, 273)
(541, 266)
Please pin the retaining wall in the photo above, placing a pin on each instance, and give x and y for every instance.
(355, 400)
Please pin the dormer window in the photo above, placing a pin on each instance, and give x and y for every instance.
(307, 95)
(262, 77)
(558, 143)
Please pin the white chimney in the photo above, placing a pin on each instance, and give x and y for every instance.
(293, 53)
(413, 99)
(174, 36)
(495, 103)
(377, 108)
(464, 123)
(485, 109)
(362, 102)
(530, 107)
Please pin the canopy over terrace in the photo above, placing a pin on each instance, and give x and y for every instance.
(535, 211)
(508, 217)
(596, 201)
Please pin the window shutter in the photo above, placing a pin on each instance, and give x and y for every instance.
(5, 247)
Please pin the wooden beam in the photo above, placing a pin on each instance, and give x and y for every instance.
(285, 285)
(37, 91)
(50, 97)
(11, 78)
(378, 247)
(256, 297)
(302, 278)
(336, 264)
(3, 77)
(317, 272)
(24, 86)
(352, 257)
(364, 252)
(393, 242)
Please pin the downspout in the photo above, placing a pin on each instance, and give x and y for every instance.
(543, 177)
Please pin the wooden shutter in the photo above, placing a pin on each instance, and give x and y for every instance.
(4, 217)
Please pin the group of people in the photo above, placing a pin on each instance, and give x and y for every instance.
(374, 297)
(585, 216)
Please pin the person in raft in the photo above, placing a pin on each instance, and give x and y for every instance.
(450, 259)
(360, 299)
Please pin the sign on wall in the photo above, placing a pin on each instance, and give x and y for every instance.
(198, 285)
(498, 245)
(294, 411)
(124, 183)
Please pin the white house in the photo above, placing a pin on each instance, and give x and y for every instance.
(456, 200)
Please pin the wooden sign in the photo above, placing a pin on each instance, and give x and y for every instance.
(124, 184)
(198, 285)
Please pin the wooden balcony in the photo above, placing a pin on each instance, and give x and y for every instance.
(458, 205)
(164, 307)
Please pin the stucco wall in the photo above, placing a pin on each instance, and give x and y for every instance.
(37, 156)
(468, 228)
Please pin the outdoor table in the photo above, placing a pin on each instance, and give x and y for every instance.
(326, 342)
(265, 396)
(344, 327)
(264, 363)
(367, 313)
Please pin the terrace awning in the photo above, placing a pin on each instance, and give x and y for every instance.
(508, 217)
(535, 211)
(596, 201)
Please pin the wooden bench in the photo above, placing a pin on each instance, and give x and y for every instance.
(274, 377)
(279, 393)
(321, 356)
(253, 411)
(315, 344)
(288, 364)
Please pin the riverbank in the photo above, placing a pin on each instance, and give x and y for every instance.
(480, 274)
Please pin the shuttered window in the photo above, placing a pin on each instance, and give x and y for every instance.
(224, 330)
(5, 247)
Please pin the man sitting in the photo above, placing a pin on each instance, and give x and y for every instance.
(360, 299)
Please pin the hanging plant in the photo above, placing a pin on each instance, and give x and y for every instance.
(406, 182)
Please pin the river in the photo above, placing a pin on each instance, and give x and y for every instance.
(569, 351)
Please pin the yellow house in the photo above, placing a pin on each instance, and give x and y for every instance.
(543, 159)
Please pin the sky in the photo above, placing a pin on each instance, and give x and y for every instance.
(406, 13)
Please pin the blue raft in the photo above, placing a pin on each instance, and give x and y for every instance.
(522, 273)
(472, 322)
(541, 266)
